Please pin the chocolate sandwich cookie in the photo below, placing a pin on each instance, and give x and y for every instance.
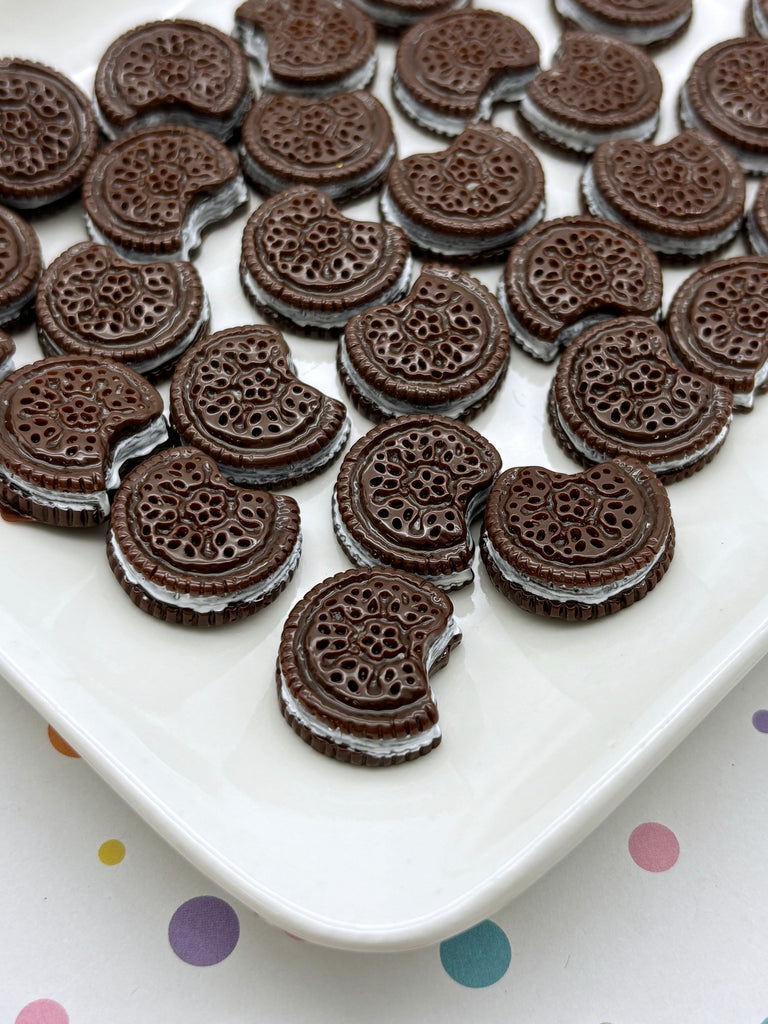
(21, 264)
(68, 426)
(354, 662)
(718, 325)
(444, 348)
(469, 201)
(407, 493)
(617, 391)
(577, 546)
(685, 197)
(598, 88)
(313, 47)
(48, 135)
(725, 94)
(189, 547)
(570, 273)
(235, 395)
(305, 264)
(342, 144)
(7, 349)
(642, 22)
(152, 192)
(756, 221)
(756, 17)
(93, 302)
(172, 71)
(452, 68)
(398, 14)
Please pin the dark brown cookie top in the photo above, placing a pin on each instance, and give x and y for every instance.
(7, 346)
(632, 13)
(21, 262)
(309, 42)
(448, 62)
(588, 529)
(487, 182)
(329, 142)
(598, 82)
(354, 652)
(567, 269)
(61, 417)
(718, 321)
(687, 187)
(407, 490)
(396, 14)
(443, 343)
(180, 523)
(91, 301)
(171, 67)
(727, 93)
(141, 188)
(301, 250)
(48, 134)
(617, 391)
(236, 396)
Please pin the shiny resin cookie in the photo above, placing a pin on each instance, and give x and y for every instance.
(399, 14)
(48, 135)
(313, 47)
(444, 348)
(642, 22)
(726, 94)
(152, 192)
(188, 546)
(92, 302)
(21, 264)
(68, 425)
(469, 201)
(756, 221)
(578, 546)
(342, 144)
(568, 274)
(617, 391)
(685, 197)
(407, 493)
(7, 350)
(451, 69)
(235, 395)
(305, 263)
(718, 325)
(174, 71)
(598, 88)
(354, 662)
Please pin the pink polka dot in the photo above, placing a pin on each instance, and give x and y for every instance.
(654, 847)
(43, 1011)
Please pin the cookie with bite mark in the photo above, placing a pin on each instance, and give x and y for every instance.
(21, 264)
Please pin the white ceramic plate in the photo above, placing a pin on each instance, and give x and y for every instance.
(546, 726)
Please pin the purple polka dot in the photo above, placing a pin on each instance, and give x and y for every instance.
(760, 720)
(43, 1011)
(203, 931)
(654, 847)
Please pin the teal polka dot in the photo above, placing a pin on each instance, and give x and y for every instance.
(478, 957)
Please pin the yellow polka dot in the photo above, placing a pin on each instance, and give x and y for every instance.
(111, 852)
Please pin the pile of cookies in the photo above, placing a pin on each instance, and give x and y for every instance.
(186, 126)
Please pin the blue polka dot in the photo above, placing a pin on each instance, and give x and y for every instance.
(478, 957)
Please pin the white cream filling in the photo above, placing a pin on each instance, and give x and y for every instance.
(200, 602)
(6, 366)
(668, 244)
(584, 595)
(12, 309)
(387, 746)
(261, 477)
(640, 34)
(751, 163)
(395, 18)
(136, 445)
(325, 319)
(453, 245)
(759, 19)
(583, 140)
(209, 210)
(220, 129)
(272, 183)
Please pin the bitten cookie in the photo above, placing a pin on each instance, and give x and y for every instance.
(68, 425)
(642, 22)
(21, 264)
(469, 201)
(444, 348)
(570, 273)
(173, 71)
(235, 395)
(354, 662)
(407, 493)
(577, 546)
(7, 349)
(92, 302)
(617, 391)
(189, 547)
